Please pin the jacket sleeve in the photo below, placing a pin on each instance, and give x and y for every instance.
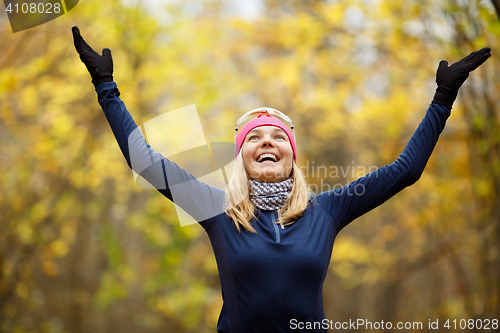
(366, 193)
(200, 201)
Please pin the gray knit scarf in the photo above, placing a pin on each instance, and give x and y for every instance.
(270, 196)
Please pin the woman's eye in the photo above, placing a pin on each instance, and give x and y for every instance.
(253, 138)
(280, 137)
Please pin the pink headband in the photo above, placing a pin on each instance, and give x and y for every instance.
(265, 121)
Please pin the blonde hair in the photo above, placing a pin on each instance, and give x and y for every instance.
(241, 209)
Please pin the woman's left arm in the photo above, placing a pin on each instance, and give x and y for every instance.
(366, 193)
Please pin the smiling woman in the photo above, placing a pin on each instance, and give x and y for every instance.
(265, 174)
(267, 154)
(272, 237)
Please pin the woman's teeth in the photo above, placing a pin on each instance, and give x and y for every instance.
(271, 156)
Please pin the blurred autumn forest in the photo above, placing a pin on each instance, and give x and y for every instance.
(84, 249)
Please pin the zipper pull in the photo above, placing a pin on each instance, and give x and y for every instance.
(282, 226)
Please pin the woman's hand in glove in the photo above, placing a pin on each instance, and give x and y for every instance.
(99, 67)
(449, 79)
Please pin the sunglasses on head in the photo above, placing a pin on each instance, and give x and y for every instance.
(255, 113)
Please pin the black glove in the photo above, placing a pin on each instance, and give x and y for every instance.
(99, 67)
(449, 79)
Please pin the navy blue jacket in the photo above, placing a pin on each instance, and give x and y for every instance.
(276, 275)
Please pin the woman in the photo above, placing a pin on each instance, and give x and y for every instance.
(271, 237)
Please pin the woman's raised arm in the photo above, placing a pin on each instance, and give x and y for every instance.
(366, 193)
(200, 201)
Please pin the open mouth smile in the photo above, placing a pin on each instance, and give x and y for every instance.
(267, 157)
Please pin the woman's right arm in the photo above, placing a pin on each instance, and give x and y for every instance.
(200, 201)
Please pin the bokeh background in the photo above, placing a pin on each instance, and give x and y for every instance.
(84, 249)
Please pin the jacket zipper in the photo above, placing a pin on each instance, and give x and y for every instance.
(277, 230)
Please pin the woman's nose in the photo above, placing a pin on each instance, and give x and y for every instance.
(266, 141)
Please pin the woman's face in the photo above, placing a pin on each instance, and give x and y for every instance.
(272, 168)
